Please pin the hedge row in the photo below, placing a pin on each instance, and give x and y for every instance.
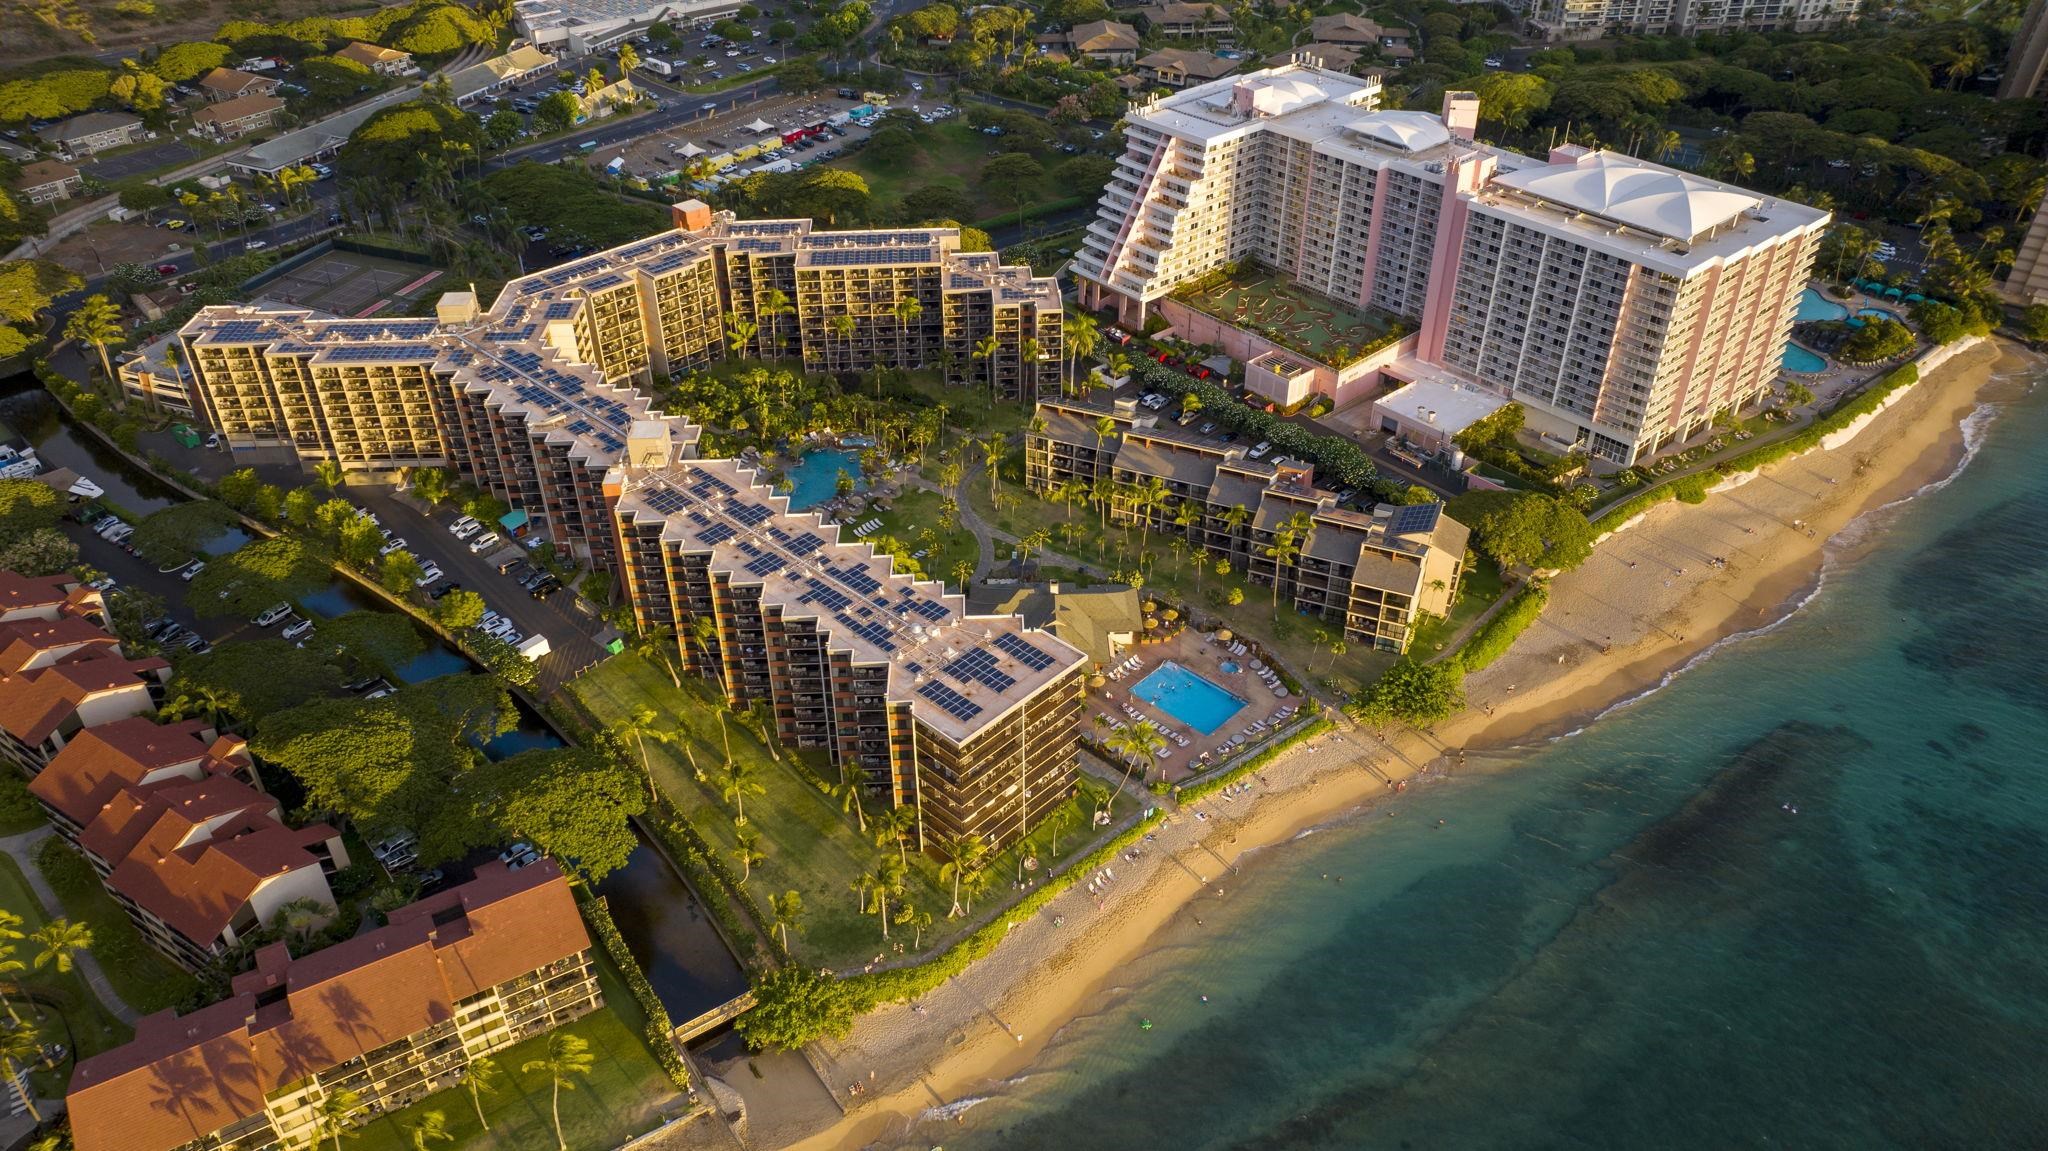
(1336, 457)
(901, 983)
(1693, 488)
(1221, 780)
(1498, 634)
(660, 1028)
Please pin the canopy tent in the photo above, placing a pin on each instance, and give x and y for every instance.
(692, 150)
(760, 126)
(1915, 298)
(1893, 293)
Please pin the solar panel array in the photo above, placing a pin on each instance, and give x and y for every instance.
(239, 331)
(717, 534)
(374, 353)
(824, 595)
(951, 702)
(561, 309)
(1023, 651)
(854, 257)
(856, 577)
(769, 246)
(1414, 518)
(667, 501)
(980, 667)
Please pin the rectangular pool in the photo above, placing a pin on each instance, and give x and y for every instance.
(1188, 697)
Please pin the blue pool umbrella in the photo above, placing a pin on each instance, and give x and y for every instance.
(1915, 298)
(1894, 293)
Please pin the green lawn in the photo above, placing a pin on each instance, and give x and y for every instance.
(1482, 586)
(969, 408)
(141, 976)
(952, 154)
(618, 1101)
(916, 511)
(18, 809)
(812, 846)
(63, 1008)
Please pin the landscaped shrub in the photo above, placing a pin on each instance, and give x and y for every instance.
(1194, 791)
(660, 1028)
(1338, 460)
(1498, 634)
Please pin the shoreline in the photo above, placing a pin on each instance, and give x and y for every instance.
(1647, 604)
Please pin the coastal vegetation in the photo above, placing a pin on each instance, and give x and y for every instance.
(1414, 693)
(1493, 638)
(1525, 529)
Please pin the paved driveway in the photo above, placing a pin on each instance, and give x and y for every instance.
(561, 617)
(160, 155)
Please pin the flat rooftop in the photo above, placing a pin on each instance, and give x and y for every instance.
(1266, 302)
(1448, 405)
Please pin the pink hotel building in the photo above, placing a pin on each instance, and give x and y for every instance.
(1620, 302)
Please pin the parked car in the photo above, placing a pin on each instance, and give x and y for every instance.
(515, 851)
(1260, 449)
(272, 614)
(464, 531)
(546, 588)
(444, 589)
(255, 245)
(428, 574)
(299, 630)
(391, 544)
(192, 569)
(485, 542)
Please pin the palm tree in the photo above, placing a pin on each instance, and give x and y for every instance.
(1102, 492)
(654, 644)
(889, 874)
(20, 1048)
(738, 786)
(331, 1120)
(97, 322)
(918, 920)
(10, 930)
(894, 827)
(773, 305)
(739, 333)
(704, 630)
(860, 886)
(1105, 427)
(482, 1077)
(1135, 744)
(1036, 540)
(787, 908)
(906, 310)
(297, 920)
(985, 350)
(328, 472)
(747, 851)
(1234, 519)
(1028, 352)
(197, 699)
(1062, 817)
(842, 326)
(964, 856)
(1147, 498)
(992, 456)
(568, 1056)
(1284, 550)
(1083, 335)
(848, 795)
(60, 940)
(644, 722)
(430, 1127)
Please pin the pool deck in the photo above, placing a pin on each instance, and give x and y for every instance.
(1201, 655)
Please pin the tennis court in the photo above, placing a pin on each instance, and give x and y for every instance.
(350, 284)
(1261, 301)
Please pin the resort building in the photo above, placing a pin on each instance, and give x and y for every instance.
(240, 116)
(381, 60)
(1103, 622)
(1622, 303)
(233, 83)
(2026, 62)
(1175, 18)
(1378, 573)
(966, 719)
(151, 375)
(60, 676)
(1103, 41)
(1591, 19)
(578, 27)
(2027, 282)
(48, 598)
(93, 132)
(1179, 67)
(392, 1015)
(499, 73)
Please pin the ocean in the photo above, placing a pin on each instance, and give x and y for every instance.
(1798, 897)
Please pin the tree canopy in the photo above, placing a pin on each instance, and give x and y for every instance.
(574, 803)
(792, 1007)
(258, 574)
(410, 142)
(26, 505)
(1525, 529)
(254, 678)
(27, 288)
(1414, 693)
(177, 531)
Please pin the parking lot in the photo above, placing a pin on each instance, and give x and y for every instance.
(658, 153)
(149, 157)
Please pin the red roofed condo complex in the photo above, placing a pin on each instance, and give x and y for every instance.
(60, 677)
(393, 1015)
(48, 597)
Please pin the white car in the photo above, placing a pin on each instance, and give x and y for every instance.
(467, 530)
(428, 575)
(391, 545)
(272, 614)
(485, 542)
(191, 570)
(501, 628)
(1260, 449)
(463, 524)
(255, 245)
(302, 628)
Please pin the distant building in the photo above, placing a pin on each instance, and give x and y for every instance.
(231, 83)
(1184, 20)
(2026, 63)
(49, 598)
(1591, 19)
(1179, 67)
(64, 684)
(577, 27)
(383, 61)
(93, 132)
(393, 1015)
(1335, 57)
(316, 140)
(1104, 41)
(1375, 574)
(231, 119)
(47, 181)
(2027, 282)
(149, 374)
(499, 73)
(1355, 31)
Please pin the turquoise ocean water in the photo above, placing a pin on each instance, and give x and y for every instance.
(1798, 898)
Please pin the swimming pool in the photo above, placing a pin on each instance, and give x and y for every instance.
(1814, 306)
(1798, 359)
(1188, 697)
(815, 477)
(1880, 313)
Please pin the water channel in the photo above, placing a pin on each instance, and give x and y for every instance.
(664, 924)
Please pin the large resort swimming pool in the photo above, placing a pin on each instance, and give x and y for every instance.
(1188, 697)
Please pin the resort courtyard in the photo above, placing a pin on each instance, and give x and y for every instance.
(1270, 304)
(1210, 697)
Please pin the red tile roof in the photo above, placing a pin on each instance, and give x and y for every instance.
(24, 641)
(183, 1078)
(34, 703)
(21, 593)
(99, 761)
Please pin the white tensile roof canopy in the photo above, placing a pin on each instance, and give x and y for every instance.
(1631, 192)
(760, 126)
(1408, 131)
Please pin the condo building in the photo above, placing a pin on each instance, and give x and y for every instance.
(1622, 303)
(392, 1015)
(61, 676)
(1591, 19)
(967, 720)
(1378, 574)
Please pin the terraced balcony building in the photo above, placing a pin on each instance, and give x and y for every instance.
(967, 719)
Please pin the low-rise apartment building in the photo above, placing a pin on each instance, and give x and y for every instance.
(233, 83)
(62, 676)
(1591, 19)
(1378, 573)
(1622, 303)
(48, 598)
(1103, 41)
(231, 119)
(152, 376)
(1180, 67)
(47, 181)
(392, 1015)
(92, 132)
(378, 59)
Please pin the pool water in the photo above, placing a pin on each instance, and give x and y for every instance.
(1814, 306)
(1188, 697)
(1798, 359)
(815, 477)
(1881, 314)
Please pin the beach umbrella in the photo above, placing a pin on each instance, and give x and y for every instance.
(1096, 681)
(1150, 623)
(1893, 293)
(1223, 635)
(1171, 614)
(1150, 607)
(1915, 298)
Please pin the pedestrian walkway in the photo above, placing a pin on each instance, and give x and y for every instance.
(22, 849)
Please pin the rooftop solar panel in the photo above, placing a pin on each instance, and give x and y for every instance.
(855, 577)
(980, 667)
(718, 534)
(1022, 650)
(765, 564)
(951, 702)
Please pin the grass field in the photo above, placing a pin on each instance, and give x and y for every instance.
(64, 1009)
(952, 154)
(916, 511)
(144, 979)
(1310, 323)
(812, 846)
(618, 1100)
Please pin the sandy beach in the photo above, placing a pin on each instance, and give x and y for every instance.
(1649, 600)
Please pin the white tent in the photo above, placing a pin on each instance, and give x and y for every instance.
(760, 126)
(692, 150)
